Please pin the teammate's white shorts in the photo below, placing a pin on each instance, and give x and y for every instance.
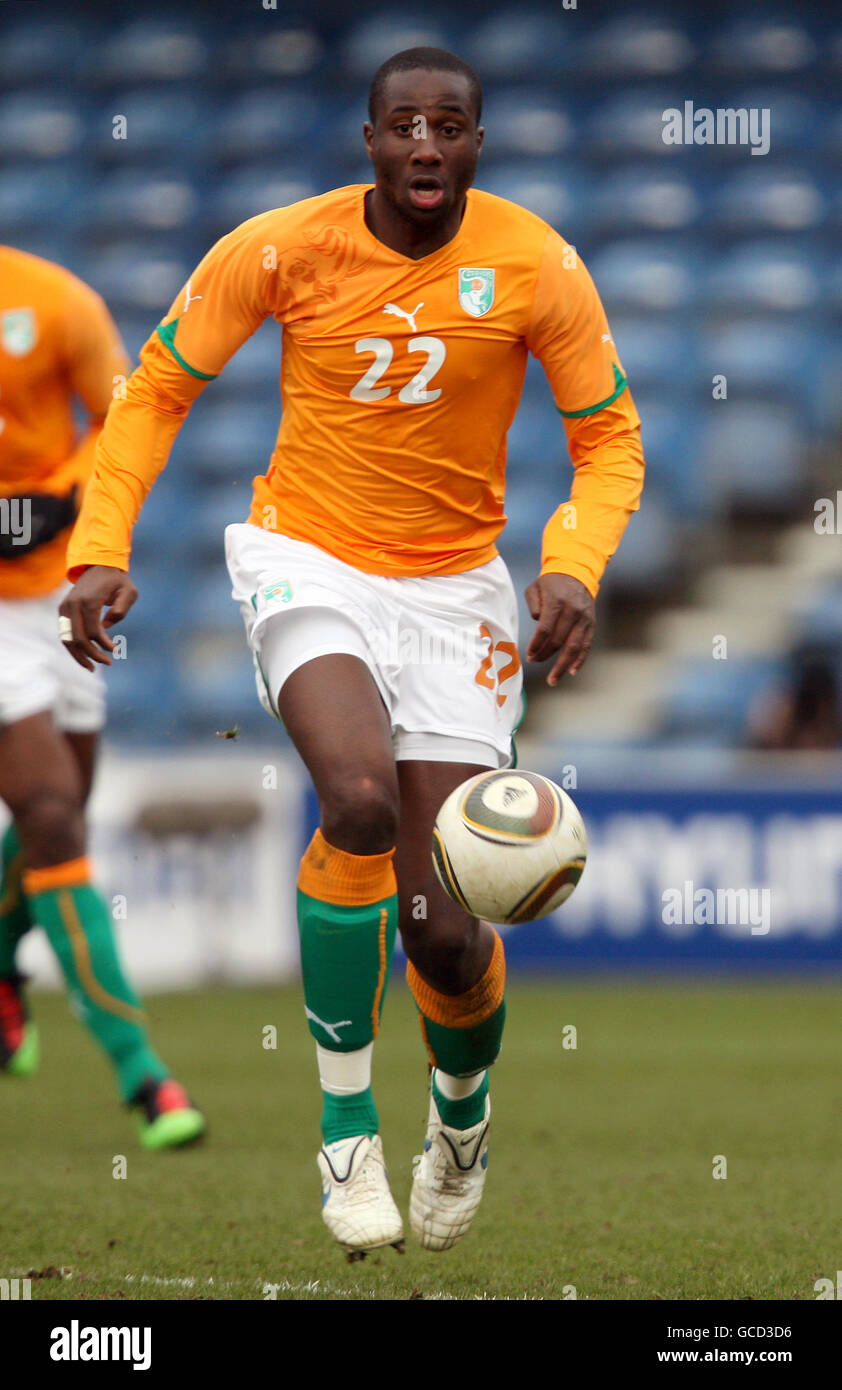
(442, 649)
(36, 673)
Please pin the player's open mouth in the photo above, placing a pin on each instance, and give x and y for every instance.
(426, 193)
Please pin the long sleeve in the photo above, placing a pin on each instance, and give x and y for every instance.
(570, 336)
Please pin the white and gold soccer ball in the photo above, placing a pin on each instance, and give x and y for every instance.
(509, 846)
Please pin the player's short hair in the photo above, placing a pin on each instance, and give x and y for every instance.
(429, 60)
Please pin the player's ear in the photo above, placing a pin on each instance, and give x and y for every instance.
(480, 138)
(368, 136)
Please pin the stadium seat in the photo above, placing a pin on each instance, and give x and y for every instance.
(289, 51)
(776, 45)
(380, 35)
(164, 201)
(40, 125)
(818, 615)
(649, 554)
(525, 123)
(40, 52)
(644, 199)
(133, 280)
(253, 373)
(788, 365)
(148, 50)
(754, 453)
(560, 199)
(27, 193)
(765, 201)
(713, 698)
(636, 47)
(256, 188)
(673, 434)
(651, 275)
(656, 354)
(630, 126)
(151, 117)
(772, 275)
(266, 123)
(518, 43)
(227, 441)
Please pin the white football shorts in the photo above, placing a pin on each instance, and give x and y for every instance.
(442, 649)
(36, 673)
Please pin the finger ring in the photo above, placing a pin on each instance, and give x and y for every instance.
(65, 629)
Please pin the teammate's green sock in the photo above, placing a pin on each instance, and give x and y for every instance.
(75, 918)
(15, 919)
(347, 919)
(463, 1032)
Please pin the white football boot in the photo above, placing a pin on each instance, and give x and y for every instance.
(357, 1206)
(448, 1178)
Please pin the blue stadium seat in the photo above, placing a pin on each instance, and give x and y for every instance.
(151, 118)
(672, 436)
(631, 125)
(819, 614)
(776, 45)
(265, 123)
(787, 365)
(656, 354)
(289, 51)
(149, 50)
(754, 452)
(29, 196)
(211, 608)
(525, 123)
(257, 188)
(133, 280)
(646, 199)
(135, 330)
(559, 199)
(42, 50)
(40, 125)
(648, 275)
(530, 502)
(518, 43)
(770, 275)
(536, 441)
(389, 31)
(636, 47)
(707, 697)
(765, 201)
(164, 201)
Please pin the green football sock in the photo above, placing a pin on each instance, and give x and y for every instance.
(79, 929)
(347, 920)
(15, 920)
(462, 1114)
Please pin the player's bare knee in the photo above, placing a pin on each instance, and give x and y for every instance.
(51, 824)
(360, 815)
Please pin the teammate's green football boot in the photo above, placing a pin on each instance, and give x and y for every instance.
(169, 1117)
(18, 1035)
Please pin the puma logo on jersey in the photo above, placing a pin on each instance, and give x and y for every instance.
(606, 338)
(188, 297)
(330, 1028)
(402, 314)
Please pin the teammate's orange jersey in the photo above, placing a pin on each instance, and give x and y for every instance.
(57, 342)
(399, 381)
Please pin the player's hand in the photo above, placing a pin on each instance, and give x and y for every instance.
(99, 587)
(564, 611)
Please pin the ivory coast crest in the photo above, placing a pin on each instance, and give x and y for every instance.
(476, 290)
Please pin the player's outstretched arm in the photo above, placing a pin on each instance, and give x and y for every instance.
(564, 611)
(100, 586)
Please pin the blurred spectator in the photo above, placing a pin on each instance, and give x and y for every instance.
(807, 712)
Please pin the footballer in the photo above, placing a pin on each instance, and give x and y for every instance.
(408, 309)
(58, 344)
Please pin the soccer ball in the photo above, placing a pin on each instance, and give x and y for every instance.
(509, 846)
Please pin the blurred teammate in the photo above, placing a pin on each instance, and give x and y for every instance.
(57, 344)
(408, 311)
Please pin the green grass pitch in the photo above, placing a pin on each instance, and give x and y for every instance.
(600, 1173)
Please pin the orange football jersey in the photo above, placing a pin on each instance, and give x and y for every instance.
(399, 380)
(57, 343)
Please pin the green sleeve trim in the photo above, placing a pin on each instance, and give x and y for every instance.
(620, 384)
(166, 332)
